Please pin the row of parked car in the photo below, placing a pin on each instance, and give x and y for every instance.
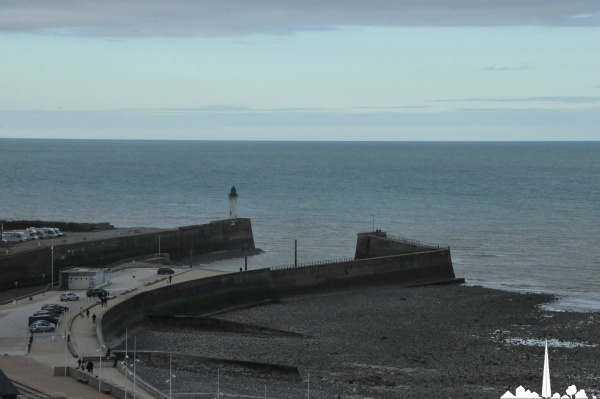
(47, 318)
(32, 233)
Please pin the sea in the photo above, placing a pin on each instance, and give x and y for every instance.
(522, 216)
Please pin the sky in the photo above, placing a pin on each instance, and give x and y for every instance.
(393, 70)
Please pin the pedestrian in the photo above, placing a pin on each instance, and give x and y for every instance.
(87, 313)
(170, 277)
(94, 318)
(79, 363)
(90, 367)
(102, 301)
(108, 353)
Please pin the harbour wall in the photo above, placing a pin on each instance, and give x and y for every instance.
(213, 294)
(27, 267)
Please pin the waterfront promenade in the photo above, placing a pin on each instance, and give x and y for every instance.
(50, 352)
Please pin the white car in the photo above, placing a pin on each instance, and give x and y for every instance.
(69, 296)
(41, 326)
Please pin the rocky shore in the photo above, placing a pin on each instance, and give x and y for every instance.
(387, 343)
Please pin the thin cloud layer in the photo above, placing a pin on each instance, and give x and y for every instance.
(238, 17)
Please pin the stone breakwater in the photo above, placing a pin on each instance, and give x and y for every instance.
(386, 343)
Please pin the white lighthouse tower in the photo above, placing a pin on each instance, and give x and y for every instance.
(233, 203)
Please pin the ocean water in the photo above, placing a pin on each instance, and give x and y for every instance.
(517, 215)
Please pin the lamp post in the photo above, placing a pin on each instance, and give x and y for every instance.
(134, 360)
(100, 372)
(44, 278)
(16, 290)
(171, 376)
(67, 334)
(126, 360)
(52, 278)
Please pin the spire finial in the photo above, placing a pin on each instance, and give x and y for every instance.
(546, 390)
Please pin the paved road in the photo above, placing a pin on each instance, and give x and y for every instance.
(14, 331)
(49, 350)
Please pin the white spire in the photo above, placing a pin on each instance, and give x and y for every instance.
(546, 391)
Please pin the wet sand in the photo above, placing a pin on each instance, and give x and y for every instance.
(391, 342)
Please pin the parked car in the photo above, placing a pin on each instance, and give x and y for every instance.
(96, 292)
(14, 236)
(41, 233)
(56, 231)
(50, 315)
(55, 307)
(165, 270)
(41, 326)
(69, 296)
(47, 317)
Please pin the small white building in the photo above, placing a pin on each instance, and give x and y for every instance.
(83, 278)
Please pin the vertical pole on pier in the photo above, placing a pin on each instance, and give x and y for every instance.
(190, 258)
(373, 222)
(295, 253)
(246, 259)
(52, 279)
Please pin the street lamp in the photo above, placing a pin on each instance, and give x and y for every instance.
(67, 335)
(44, 278)
(100, 372)
(171, 375)
(52, 279)
(16, 290)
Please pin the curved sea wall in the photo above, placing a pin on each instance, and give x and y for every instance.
(205, 296)
(27, 267)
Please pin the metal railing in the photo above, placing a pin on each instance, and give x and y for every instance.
(416, 242)
(352, 260)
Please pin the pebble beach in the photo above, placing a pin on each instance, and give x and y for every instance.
(385, 343)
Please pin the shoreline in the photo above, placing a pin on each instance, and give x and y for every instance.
(389, 342)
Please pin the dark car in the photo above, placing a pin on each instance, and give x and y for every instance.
(51, 317)
(47, 312)
(55, 307)
(165, 270)
(96, 292)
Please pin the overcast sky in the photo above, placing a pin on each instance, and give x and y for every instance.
(301, 70)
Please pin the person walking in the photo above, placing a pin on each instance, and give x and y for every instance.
(94, 318)
(87, 313)
(170, 277)
(79, 363)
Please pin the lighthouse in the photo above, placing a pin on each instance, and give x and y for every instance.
(233, 203)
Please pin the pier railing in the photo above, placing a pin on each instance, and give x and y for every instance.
(352, 260)
(417, 242)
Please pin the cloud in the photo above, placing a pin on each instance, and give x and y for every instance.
(494, 68)
(124, 18)
(552, 99)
